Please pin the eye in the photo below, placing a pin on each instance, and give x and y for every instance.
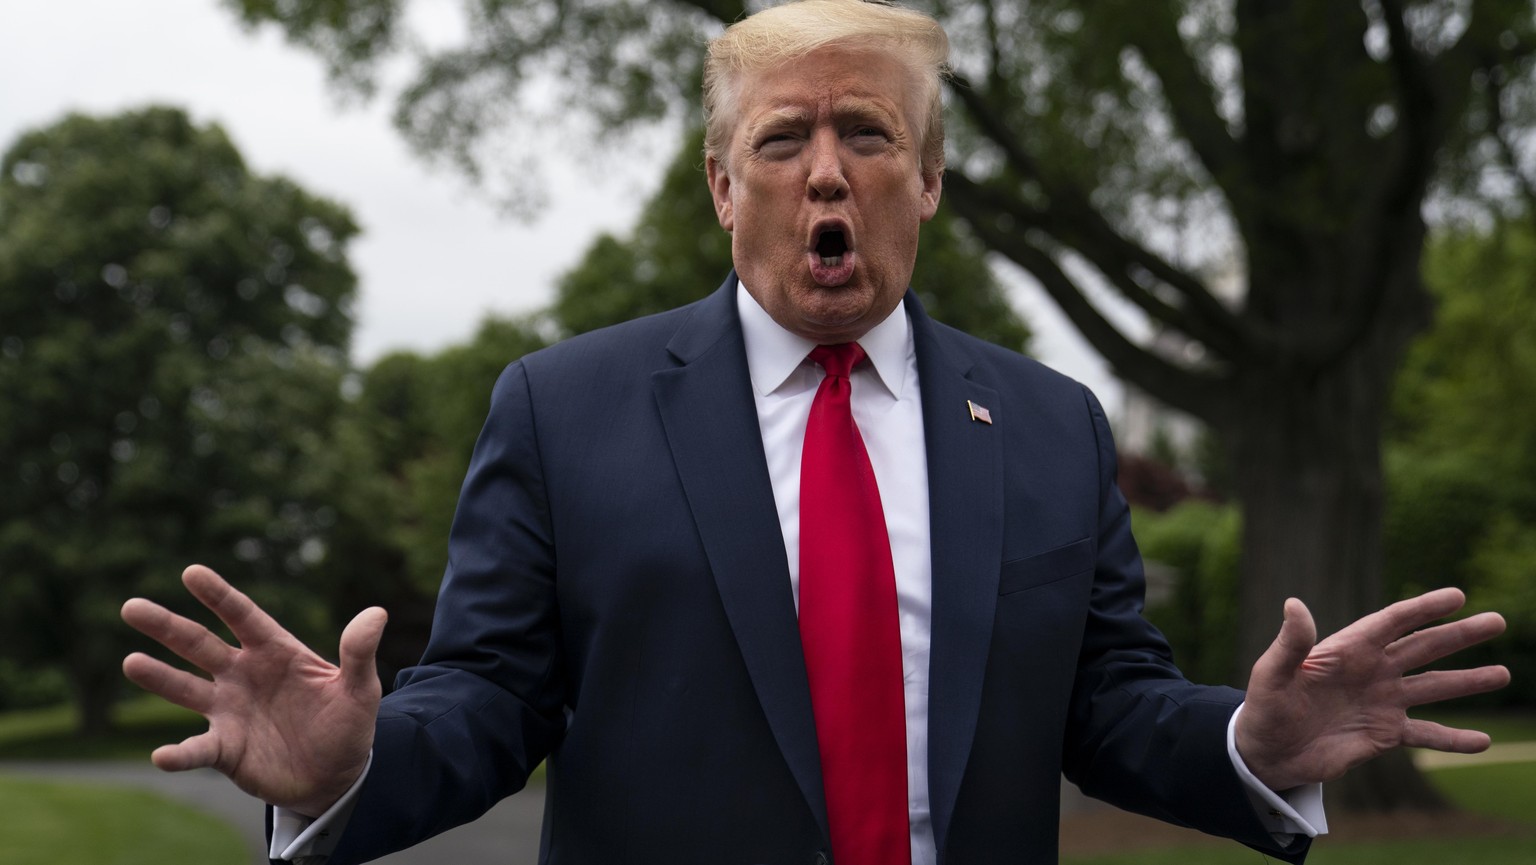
(868, 136)
(777, 143)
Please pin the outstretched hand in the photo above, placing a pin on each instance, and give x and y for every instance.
(284, 724)
(1315, 710)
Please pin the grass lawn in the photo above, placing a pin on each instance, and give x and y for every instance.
(42, 821)
(1503, 790)
(1458, 851)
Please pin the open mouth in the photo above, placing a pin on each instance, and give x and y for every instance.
(830, 246)
(831, 254)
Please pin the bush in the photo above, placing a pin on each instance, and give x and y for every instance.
(1457, 519)
(28, 687)
(1199, 543)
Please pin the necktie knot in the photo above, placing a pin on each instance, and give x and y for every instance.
(838, 360)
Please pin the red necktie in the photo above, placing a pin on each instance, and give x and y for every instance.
(849, 628)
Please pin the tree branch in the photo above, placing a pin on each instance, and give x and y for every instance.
(995, 80)
(1421, 107)
(1197, 393)
(978, 200)
(1074, 219)
(1499, 130)
(1190, 97)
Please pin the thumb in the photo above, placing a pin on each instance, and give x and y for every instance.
(1298, 634)
(360, 646)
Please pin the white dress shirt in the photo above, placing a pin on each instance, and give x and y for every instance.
(887, 406)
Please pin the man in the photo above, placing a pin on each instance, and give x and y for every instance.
(794, 573)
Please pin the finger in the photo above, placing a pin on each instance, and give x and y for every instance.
(195, 752)
(360, 647)
(1439, 685)
(1438, 737)
(168, 683)
(1386, 626)
(189, 640)
(249, 623)
(1432, 644)
(1284, 657)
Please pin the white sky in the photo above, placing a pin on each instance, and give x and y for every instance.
(433, 257)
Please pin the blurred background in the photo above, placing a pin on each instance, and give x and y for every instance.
(262, 260)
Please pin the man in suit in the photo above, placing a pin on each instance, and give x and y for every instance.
(795, 574)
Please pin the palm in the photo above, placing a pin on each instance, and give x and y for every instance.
(1316, 710)
(283, 723)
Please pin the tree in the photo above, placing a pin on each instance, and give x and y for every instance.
(172, 338)
(1145, 149)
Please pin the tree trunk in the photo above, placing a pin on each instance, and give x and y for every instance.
(95, 689)
(1307, 469)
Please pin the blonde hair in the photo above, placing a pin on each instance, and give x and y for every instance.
(790, 31)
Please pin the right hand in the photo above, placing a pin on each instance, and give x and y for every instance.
(284, 724)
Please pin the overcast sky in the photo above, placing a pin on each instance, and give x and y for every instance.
(434, 257)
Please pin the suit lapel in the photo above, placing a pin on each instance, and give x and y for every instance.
(711, 423)
(965, 492)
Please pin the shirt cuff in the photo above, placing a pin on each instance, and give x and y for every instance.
(1298, 811)
(305, 840)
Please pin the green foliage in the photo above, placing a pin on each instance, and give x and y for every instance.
(1461, 463)
(678, 253)
(1469, 384)
(1198, 542)
(410, 432)
(26, 686)
(44, 821)
(173, 332)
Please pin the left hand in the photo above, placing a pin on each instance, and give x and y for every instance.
(1316, 710)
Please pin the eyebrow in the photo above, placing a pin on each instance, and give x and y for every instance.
(778, 118)
(852, 107)
(863, 109)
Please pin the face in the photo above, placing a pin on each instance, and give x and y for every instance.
(822, 191)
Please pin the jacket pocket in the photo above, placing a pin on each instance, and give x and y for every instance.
(1061, 563)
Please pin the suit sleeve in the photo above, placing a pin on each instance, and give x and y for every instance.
(1140, 735)
(464, 729)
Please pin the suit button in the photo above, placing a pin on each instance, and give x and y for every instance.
(821, 859)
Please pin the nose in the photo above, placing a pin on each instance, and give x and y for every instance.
(826, 181)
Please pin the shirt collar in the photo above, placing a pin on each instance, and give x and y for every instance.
(773, 353)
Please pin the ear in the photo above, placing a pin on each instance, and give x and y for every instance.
(720, 191)
(933, 186)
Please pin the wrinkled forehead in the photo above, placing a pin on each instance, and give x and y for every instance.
(849, 81)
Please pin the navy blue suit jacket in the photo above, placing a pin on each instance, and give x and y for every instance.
(617, 601)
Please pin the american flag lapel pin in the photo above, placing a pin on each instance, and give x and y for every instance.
(979, 412)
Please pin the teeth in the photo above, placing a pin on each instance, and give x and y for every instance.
(831, 260)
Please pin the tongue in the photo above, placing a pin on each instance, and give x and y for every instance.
(831, 271)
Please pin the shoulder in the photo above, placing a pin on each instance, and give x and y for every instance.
(1006, 370)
